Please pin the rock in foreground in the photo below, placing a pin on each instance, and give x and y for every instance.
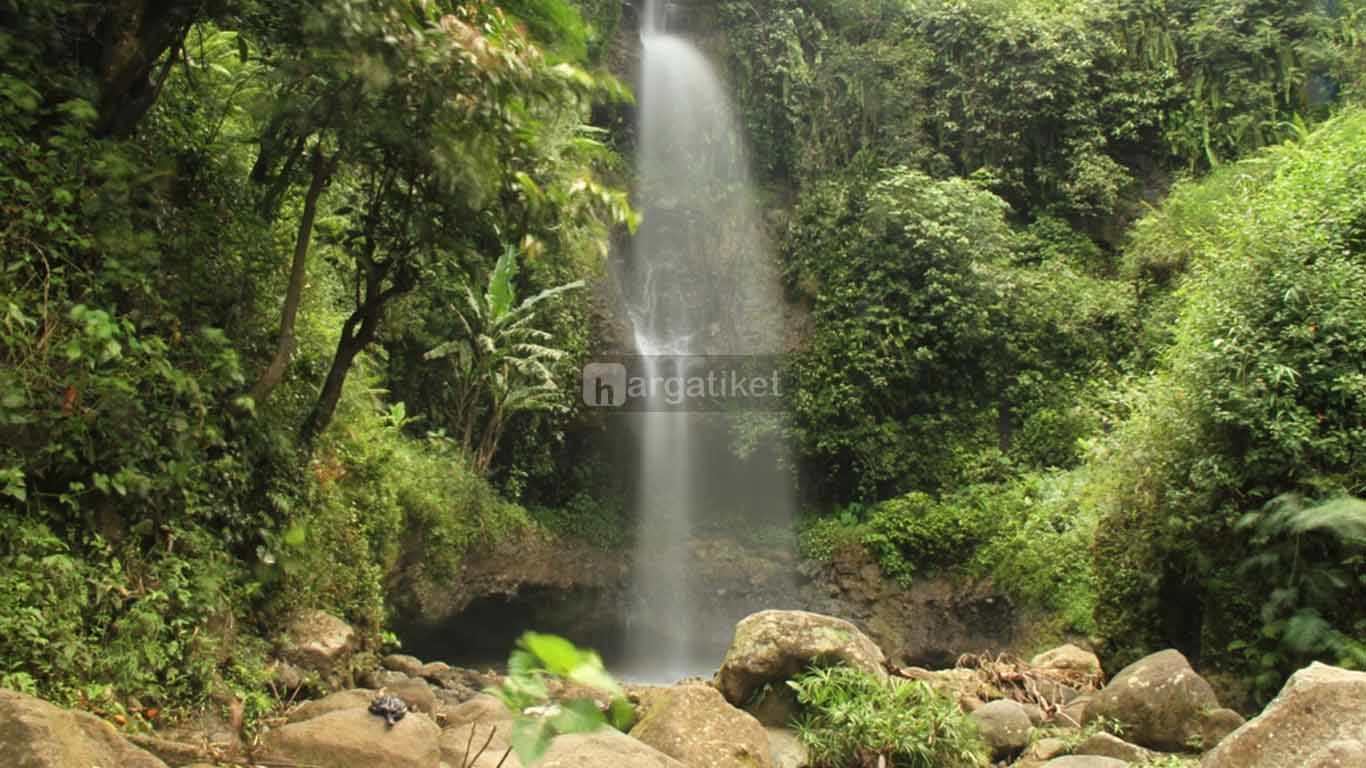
(354, 738)
(36, 734)
(603, 748)
(1159, 699)
(1318, 720)
(1085, 761)
(1004, 726)
(695, 725)
(770, 647)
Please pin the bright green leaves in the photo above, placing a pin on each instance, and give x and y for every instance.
(538, 656)
(98, 341)
(854, 718)
(1257, 394)
(931, 316)
(500, 293)
(12, 484)
(502, 364)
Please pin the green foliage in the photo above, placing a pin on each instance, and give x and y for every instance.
(821, 538)
(382, 500)
(539, 656)
(153, 520)
(1040, 553)
(1055, 102)
(1314, 555)
(500, 363)
(1260, 394)
(940, 333)
(588, 517)
(1031, 536)
(852, 719)
(917, 533)
(902, 322)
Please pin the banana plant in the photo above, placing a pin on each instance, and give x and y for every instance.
(502, 362)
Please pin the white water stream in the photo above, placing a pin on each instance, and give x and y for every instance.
(698, 281)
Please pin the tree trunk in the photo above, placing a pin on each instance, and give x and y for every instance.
(284, 350)
(351, 343)
(129, 37)
(358, 331)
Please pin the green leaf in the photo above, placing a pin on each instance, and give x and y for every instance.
(622, 714)
(500, 293)
(577, 716)
(530, 739)
(556, 654)
(295, 535)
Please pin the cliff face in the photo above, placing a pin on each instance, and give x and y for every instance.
(571, 588)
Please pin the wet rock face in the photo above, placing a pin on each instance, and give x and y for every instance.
(770, 647)
(928, 624)
(584, 594)
(36, 734)
(1318, 720)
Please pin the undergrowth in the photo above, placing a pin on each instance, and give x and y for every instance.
(852, 719)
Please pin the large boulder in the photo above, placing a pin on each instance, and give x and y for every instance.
(697, 726)
(36, 734)
(787, 750)
(354, 738)
(1069, 658)
(1107, 745)
(1158, 699)
(1318, 718)
(1004, 726)
(1085, 761)
(770, 647)
(356, 698)
(318, 641)
(603, 748)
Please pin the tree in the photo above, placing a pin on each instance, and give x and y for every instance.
(435, 117)
(500, 363)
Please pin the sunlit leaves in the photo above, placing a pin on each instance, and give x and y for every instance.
(537, 657)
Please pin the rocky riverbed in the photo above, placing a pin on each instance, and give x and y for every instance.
(1057, 710)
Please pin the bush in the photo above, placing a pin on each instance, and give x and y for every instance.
(1261, 393)
(1040, 555)
(386, 502)
(916, 533)
(852, 719)
(820, 538)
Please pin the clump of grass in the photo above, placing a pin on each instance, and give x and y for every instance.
(852, 719)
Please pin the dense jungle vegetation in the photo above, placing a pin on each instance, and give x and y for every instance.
(293, 295)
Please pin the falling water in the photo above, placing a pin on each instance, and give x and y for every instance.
(698, 281)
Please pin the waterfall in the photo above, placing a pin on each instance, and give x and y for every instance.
(698, 281)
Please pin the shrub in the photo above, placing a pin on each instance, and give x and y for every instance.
(852, 719)
(1040, 555)
(819, 538)
(1261, 393)
(916, 533)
